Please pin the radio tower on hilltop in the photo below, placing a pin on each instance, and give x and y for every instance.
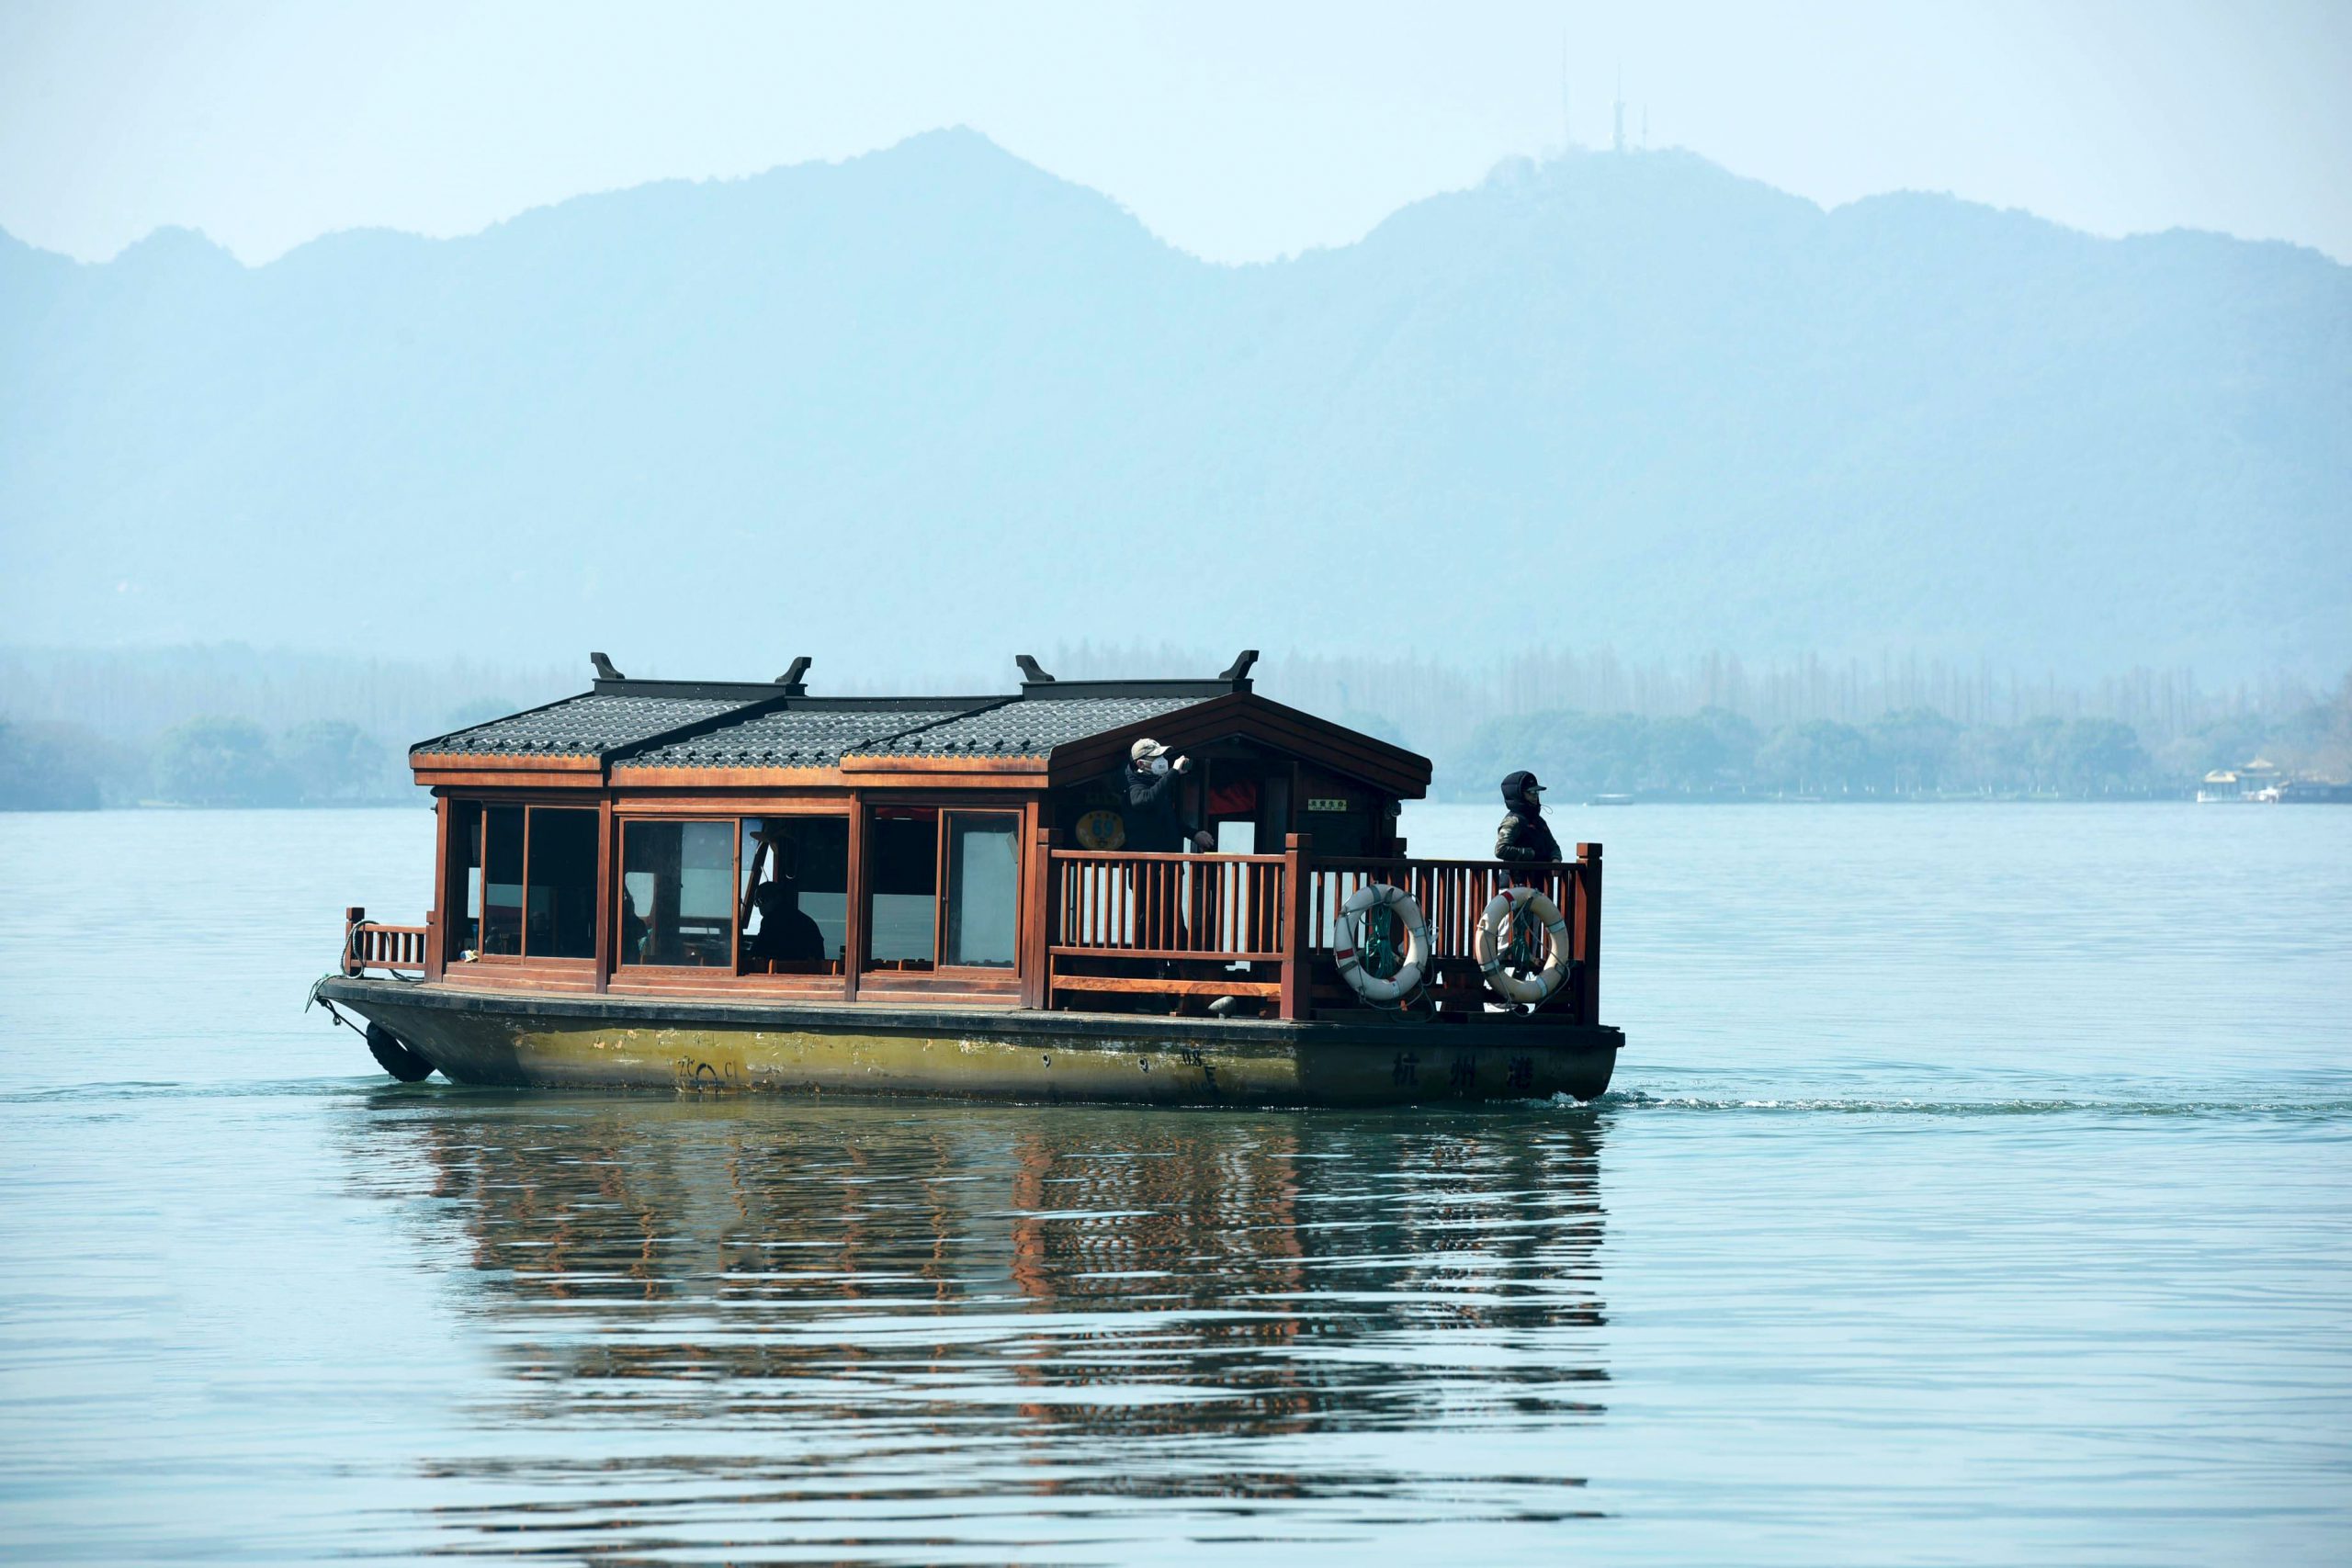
(1567, 124)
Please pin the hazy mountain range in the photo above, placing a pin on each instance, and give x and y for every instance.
(929, 407)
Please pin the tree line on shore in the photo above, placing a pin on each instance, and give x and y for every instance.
(1908, 754)
(1911, 754)
(1714, 753)
(57, 766)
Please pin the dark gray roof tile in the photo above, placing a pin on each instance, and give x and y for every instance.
(686, 728)
(792, 738)
(1030, 728)
(587, 726)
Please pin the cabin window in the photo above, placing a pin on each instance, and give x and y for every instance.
(983, 883)
(902, 879)
(465, 879)
(794, 909)
(502, 917)
(528, 877)
(560, 898)
(678, 894)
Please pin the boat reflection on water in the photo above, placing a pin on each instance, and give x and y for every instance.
(762, 1327)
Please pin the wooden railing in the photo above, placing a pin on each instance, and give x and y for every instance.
(1184, 924)
(1142, 924)
(367, 945)
(1453, 895)
(1212, 907)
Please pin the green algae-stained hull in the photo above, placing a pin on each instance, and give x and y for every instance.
(607, 1042)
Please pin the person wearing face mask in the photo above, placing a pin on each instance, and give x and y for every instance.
(1155, 825)
(1155, 795)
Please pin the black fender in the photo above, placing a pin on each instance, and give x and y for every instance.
(395, 1057)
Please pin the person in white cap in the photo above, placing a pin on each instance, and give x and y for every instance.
(1156, 824)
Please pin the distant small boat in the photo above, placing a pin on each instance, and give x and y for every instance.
(2259, 782)
(1610, 800)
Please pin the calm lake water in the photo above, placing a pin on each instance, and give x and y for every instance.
(1975, 1189)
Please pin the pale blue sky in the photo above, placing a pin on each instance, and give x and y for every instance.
(1237, 131)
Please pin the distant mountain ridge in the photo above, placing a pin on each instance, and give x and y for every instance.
(933, 402)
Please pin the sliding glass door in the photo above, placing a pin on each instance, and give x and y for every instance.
(981, 916)
(942, 888)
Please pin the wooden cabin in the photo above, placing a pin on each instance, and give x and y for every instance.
(757, 842)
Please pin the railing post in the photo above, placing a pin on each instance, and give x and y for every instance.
(1587, 933)
(1045, 904)
(352, 916)
(1298, 871)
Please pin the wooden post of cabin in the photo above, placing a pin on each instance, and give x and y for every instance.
(1298, 873)
(853, 928)
(352, 916)
(1587, 933)
(436, 936)
(608, 897)
(1037, 931)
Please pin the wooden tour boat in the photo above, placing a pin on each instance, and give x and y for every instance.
(724, 886)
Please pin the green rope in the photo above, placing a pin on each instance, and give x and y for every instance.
(1524, 955)
(1378, 952)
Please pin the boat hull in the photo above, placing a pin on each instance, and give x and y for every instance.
(606, 1042)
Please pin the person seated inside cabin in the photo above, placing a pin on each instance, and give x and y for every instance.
(1524, 836)
(785, 930)
(633, 929)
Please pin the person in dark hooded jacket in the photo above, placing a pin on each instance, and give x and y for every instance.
(1524, 835)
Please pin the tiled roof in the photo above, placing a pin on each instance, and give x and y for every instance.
(586, 726)
(655, 724)
(792, 738)
(1031, 727)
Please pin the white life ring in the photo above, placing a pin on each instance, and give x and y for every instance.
(1372, 988)
(1489, 944)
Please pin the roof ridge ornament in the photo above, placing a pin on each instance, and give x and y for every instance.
(604, 671)
(1240, 669)
(1032, 672)
(791, 679)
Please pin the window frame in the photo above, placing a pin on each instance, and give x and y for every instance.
(457, 865)
(619, 850)
(946, 878)
(837, 811)
(996, 975)
(868, 815)
(632, 813)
